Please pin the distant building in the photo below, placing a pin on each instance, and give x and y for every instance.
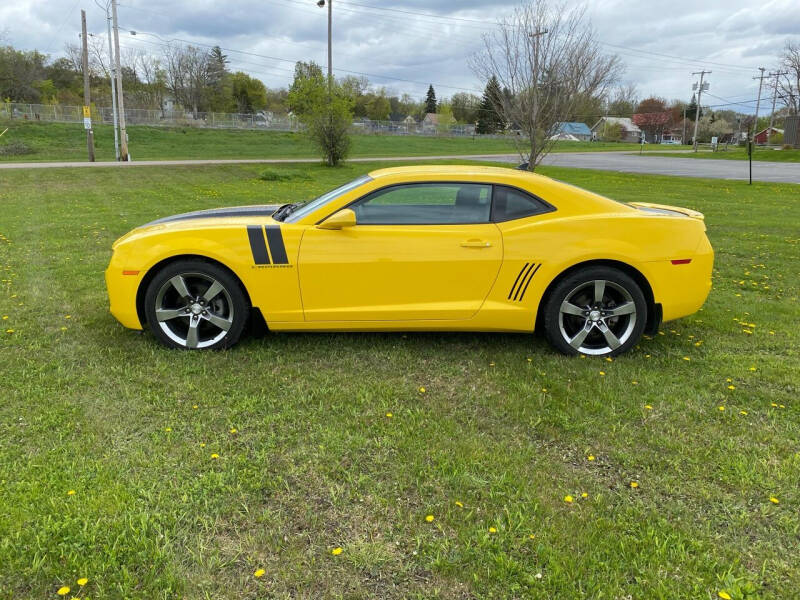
(761, 136)
(630, 131)
(430, 123)
(569, 130)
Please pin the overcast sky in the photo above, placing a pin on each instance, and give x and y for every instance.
(403, 52)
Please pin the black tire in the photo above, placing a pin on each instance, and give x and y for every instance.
(572, 310)
(179, 314)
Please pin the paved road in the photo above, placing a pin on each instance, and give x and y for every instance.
(607, 161)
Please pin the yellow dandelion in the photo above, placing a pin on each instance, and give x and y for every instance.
(752, 369)
(743, 412)
(731, 387)
(336, 551)
(194, 406)
(774, 405)
(214, 456)
(698, 343)
(71, 493)
(583, 356)
(168, 429)
(459, 504)
(491, 364)
(720, 407)
(234, 430)
(568, 499)
(590, 457)
(421, 390)
(531, 536)
(648, 407)
(492, 530)
(634, 484)
(544, 390)
(259, 573)
(389, 415)
(634, 382)
(772, 333)
(724, 595)
(63, 591)
(584, 495)
(647, 356)
(83, 581)
(9, 331)
(429, 518)
(774, 500)
(5, 317)
(202, 444)
(609, 359)
(530, 360)
(67, 316)
(602, 373)
(686, 358)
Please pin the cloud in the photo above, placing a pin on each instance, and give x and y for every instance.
(397, 48)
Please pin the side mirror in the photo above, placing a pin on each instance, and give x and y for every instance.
(339, 220)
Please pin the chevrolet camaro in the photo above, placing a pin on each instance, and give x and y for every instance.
(424, 248)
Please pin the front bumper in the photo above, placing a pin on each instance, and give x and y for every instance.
(122, 286)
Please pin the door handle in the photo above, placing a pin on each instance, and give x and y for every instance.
(475, 244)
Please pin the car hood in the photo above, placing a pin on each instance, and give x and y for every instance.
(262, 210)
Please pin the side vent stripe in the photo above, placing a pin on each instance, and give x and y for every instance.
(257, 245)
(524, 277)
(276, 247)
(525, 289)
(516, 281)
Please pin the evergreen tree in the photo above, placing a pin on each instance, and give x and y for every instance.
(430, 101)
(490, 119)
(691, 110)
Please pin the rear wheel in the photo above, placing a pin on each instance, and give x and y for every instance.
(597, 311)
(196, 305)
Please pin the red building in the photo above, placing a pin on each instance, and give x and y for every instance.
(761, 136)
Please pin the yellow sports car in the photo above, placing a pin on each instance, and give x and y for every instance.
(432, 248)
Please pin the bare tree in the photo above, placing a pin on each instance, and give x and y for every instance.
(789, 84)
(187, 75)
(545, 57)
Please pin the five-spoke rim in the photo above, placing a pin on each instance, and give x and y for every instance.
(194, 310)
(597, 317)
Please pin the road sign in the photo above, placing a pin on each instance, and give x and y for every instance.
(87, 112)
(87, 123)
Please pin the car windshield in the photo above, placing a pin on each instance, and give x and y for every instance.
(310, 207)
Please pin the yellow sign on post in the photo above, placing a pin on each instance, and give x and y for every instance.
(87, 112)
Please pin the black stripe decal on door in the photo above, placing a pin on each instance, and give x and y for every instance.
(525, 289)
(276, 247)
(257, 246)
(516, 281)
(524, 277)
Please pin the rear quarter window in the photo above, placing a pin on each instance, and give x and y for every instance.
(511, 203)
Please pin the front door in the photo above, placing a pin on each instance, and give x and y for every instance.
(418, 252)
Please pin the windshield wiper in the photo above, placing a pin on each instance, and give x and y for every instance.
(284, 211)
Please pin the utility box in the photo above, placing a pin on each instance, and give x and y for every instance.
(791, 131)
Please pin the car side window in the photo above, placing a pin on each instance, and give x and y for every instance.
(426, 204)
(510, 203)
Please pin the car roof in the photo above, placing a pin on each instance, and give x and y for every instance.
(455, 171)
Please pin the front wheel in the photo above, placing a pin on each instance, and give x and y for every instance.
(597, 311)
(196, 305)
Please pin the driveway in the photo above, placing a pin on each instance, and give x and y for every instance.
(605, 161)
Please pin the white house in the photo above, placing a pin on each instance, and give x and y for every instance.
(630, 131)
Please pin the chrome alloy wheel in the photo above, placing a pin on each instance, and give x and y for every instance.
(194, 310)
(597, 317)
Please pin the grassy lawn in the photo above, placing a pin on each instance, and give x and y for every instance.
(67, 142)
(735, 153)
(328, 441)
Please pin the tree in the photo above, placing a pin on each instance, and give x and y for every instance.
(612, 132)
(249, 93)
(465, 107)
(789, 84)
(303, 71)
(378, 106)
(544, 72)
(691, 109)
(187, 76)
(623, 101)
(490, 112)
(325, 111)
(445, 118)
(652, 117)
(430, 100)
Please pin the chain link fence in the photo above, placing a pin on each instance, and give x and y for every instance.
(264, 120)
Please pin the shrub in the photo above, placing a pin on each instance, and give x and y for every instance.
(16, 148)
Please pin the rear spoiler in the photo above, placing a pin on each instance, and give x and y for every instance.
(684, 211)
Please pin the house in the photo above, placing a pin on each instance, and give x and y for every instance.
(761, 136)
(630, 132)
(430, 124)
(579, 131)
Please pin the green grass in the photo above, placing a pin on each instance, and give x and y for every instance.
(735, 153)
(67, 142)
(505, 426)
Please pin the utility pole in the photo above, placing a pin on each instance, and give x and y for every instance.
(123, 133)
(774, 97)
(112, 70)
(683, 137)
(321, 4)
(87, 101)
(758, 102)
(700, 89)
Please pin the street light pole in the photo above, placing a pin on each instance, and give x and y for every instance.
(123, 133)
(321, 4)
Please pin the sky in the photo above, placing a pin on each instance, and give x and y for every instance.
(405, 45)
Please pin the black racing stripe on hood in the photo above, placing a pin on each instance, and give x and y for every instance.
(240, 211)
